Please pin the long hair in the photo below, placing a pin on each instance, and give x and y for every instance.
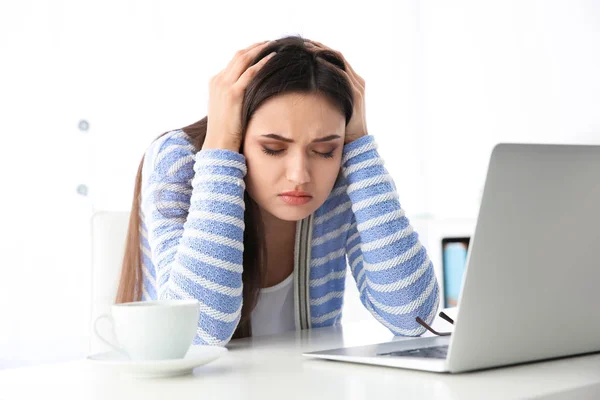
(295, 68)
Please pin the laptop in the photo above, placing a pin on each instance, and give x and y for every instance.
(531, 284)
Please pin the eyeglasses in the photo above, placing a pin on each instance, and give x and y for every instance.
(430, 329)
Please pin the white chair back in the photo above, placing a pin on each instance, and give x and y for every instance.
(109, 231)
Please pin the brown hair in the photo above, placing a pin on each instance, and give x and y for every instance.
(295, 68)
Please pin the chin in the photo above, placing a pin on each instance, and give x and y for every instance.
(291, 215)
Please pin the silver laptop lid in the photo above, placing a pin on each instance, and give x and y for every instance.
(531, 290)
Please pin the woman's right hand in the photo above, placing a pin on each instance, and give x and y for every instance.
(226, 93)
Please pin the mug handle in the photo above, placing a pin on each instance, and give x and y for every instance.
(106, 341)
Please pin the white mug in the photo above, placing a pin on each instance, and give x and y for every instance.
(152, 330)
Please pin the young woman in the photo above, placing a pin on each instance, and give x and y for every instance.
(256, 209)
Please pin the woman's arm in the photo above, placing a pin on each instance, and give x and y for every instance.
(193, 209)
(393, 273)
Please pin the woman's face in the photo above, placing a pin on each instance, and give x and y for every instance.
(294, 142)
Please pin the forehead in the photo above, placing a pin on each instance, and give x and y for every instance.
(297, 114)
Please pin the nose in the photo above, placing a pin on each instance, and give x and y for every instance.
(298, 170)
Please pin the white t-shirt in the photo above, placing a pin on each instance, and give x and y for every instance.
(274, 311)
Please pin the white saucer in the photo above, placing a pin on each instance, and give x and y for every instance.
(195, 357)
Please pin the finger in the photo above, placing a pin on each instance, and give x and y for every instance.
(356, 86)
(243, 51)
(231, 62)
(353, 76)
(252, 46)
(247, 76)
(358, 78)
(354, 82)
(241, 62)
(318, 44)
(310, 44)
(324, 47)
(255, 45)
(360, 82)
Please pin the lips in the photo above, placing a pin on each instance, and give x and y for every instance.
(296, 193)
(295, 197)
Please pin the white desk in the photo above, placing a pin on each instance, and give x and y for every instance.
(273, 368)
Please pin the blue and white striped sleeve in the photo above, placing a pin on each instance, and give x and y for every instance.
(194, 213)
(392, 270)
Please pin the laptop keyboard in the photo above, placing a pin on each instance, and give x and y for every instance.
(425, 352)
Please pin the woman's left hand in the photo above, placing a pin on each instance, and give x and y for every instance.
(357, 127)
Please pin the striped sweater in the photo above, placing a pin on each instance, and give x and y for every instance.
(192, 213)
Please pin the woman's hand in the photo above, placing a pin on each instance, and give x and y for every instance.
(226, 93)
(357, 127)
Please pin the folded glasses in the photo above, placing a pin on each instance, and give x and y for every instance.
(430, 329)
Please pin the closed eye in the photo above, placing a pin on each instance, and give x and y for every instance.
(278, 152)
(271, 152)
(325, 155)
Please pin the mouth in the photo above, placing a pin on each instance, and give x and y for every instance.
(296, 193)
(295, 198)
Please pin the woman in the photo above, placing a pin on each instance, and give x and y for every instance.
(255, 209)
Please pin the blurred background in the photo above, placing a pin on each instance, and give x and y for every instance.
(85, 86)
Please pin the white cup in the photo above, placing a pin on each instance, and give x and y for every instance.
(152, 330)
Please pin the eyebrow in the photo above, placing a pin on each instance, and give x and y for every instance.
(284, 139)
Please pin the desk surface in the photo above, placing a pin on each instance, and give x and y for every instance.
(274, 368)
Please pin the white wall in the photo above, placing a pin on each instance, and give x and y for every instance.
(520, 71)
(445, 82)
